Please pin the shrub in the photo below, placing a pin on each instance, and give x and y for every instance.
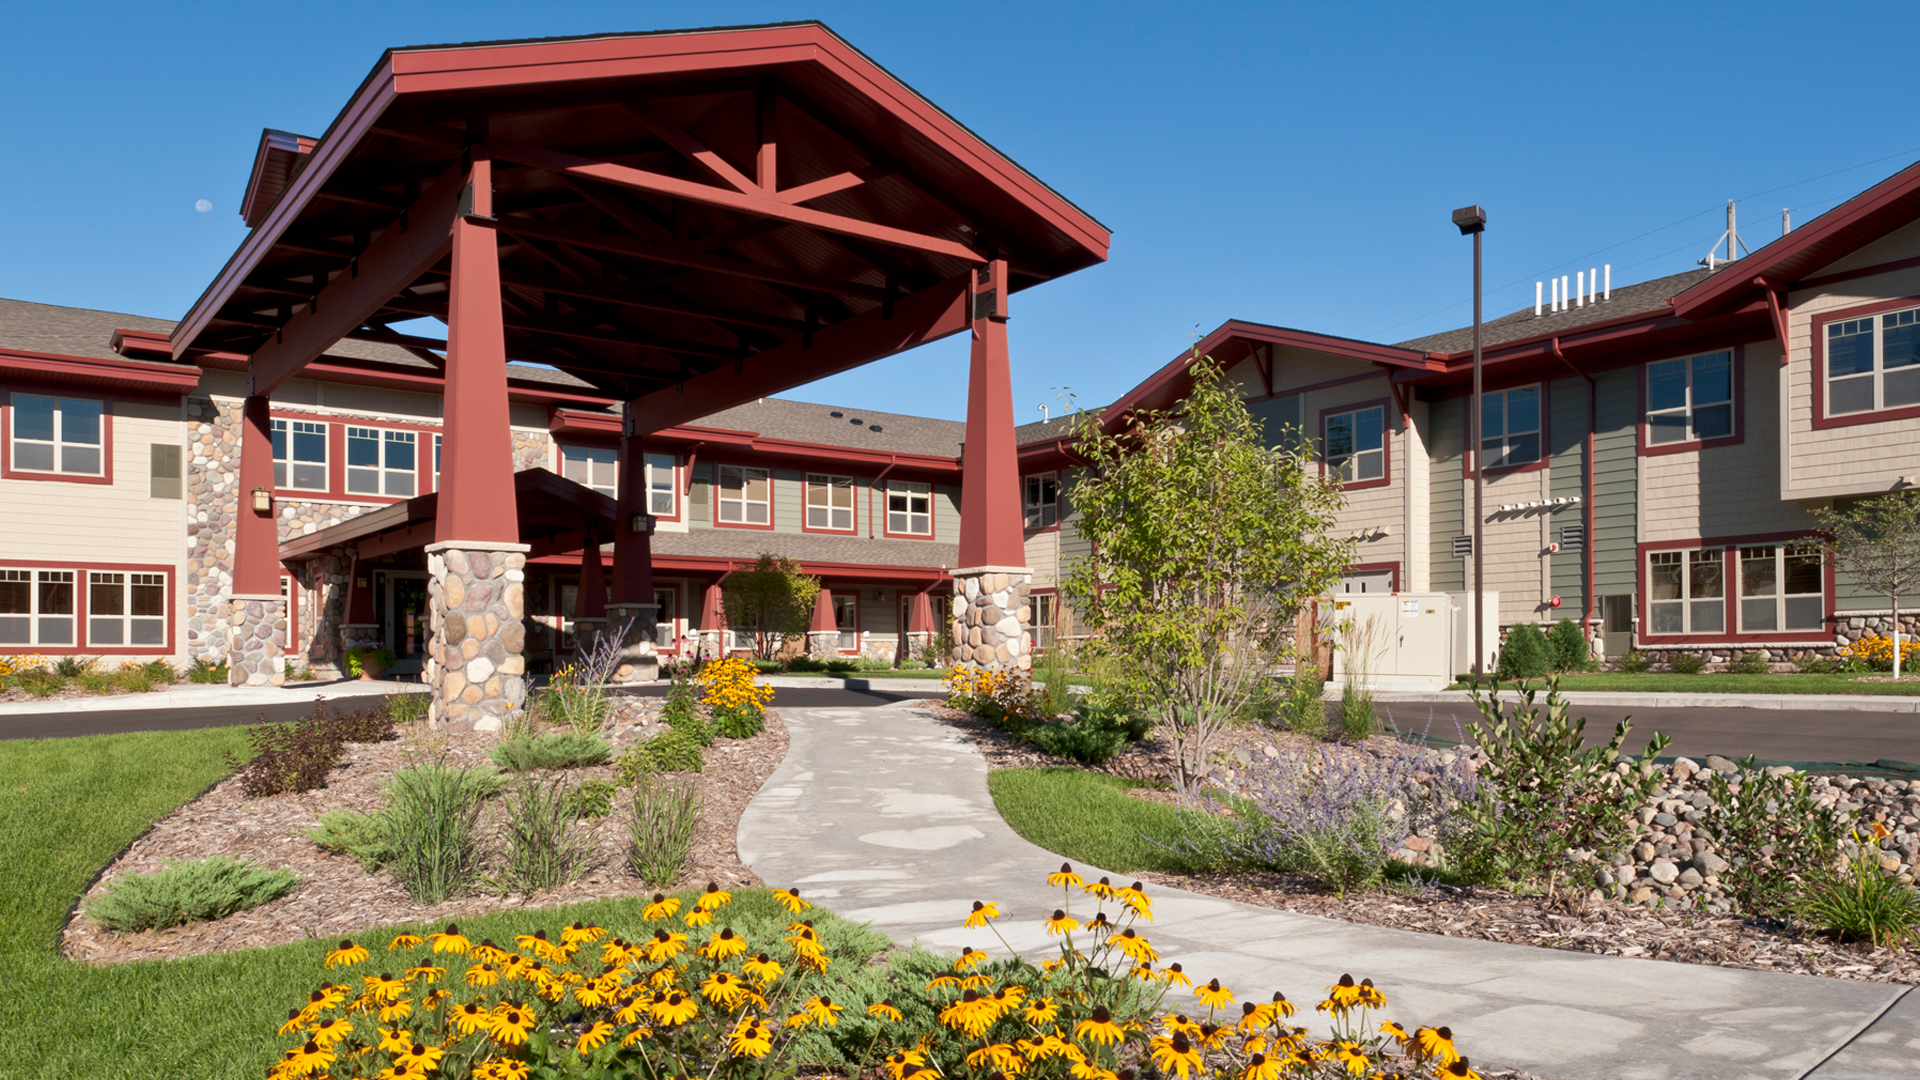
(160, 672)
(1772, 834)
(551, 750)
(1305, 709)
(1567, 646)
(186, 892)
(1053, 693)
(365, 838)
(138, 678)
(670, 751)
(361, 656)
(661, 820)
(298, 756)
(1751, 663)
(39, 682)
(841, 665)
(681, 711)
(1356, 712)
(734, 698)
(593, 798)
(1861, 902)
(806, 664)
(543, 844)
(739, 723)
(203, 671)
(1088, 741)
(95, 681)
(1524, 654)
(1002, 698)
(1687, 663)
(1815, 664)
(1635, 662)
(434, 814)
(72, 667)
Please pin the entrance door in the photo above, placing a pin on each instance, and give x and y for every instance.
(406, 624)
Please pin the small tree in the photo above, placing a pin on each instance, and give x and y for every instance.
(1567, 646)
(1877, 541)
(1206, 542)
(773, 599)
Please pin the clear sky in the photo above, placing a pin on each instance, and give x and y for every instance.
(1285, 163)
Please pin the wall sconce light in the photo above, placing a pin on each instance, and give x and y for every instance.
(360, 582)
(643, 524)
(262, 501)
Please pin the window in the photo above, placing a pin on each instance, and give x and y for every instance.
(662, 496)
(1044, 610)
(664, 603)
(846, 616)
(1690, 399)
(745, 496)
(127, 609)
(1510, 427)
(829, 502)
(58, 435)
(163, 470)
(596, 467)
(36, 607)
(1782, 587)
(381, 462)
(1041, 499)
(436, 463)
(1356, 448)
(300, 455)
(742, 641)
(909, 508)
(1688, 591)
(1873, 363)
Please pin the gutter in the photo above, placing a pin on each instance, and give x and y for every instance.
(1586, 618)
(895, 460)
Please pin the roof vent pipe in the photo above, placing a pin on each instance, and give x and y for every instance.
(1609, 290)
(1593, 285)
(1536, 299)
(1580, 283)
(1565, 302)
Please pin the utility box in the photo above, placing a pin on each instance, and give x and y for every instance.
(1404, 641)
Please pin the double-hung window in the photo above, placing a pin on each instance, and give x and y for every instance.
(1688, 591)
(746, 495)
(36, 607)
(1873, 363)
(846, 619)
(1782, 587)
(597, 467)
(1356, 444)
(1041, 500)
(829, 502)
(1045, 606)
(300, 455)
(1690, 399)
(381, 462)
(436, 463)
(909, 508)
(662, 496)
(1510, 427)
(58, 435)
(126, 609)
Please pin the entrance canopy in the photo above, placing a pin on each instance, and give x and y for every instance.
(686, 220)
(555, 515)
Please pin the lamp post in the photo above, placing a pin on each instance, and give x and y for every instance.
(1472, 221)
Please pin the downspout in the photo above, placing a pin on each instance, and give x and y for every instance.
(693, 458)
(1586, 619)
(892, 460)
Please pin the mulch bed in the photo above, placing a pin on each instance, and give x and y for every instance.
(336, 898)
(1566, 920)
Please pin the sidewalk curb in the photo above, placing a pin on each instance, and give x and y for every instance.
(208, 697)
(1884, 703)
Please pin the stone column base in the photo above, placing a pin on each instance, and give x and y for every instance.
(638, 660)
(992, 617)
(355, 634)
(476, 601)
(823, 646)
(917, 645)
(257, 639)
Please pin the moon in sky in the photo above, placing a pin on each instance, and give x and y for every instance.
(202, 205)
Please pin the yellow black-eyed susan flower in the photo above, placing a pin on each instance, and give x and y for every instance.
(331, 1031)
(901, 1063)
(942, 981)
(664, 945)
(1260, 1067)
(660, 907)
(697, 917)
(593, 1038)
(346, 954)
(1000, 1056)
(750, 1038)
(713, 899)
(790, 899)
(488, 953)
(1458, 1069)
(1350, 1056)
(307, 1058)
(1062, 923)
(1172, 974)
(1176, 1054)
(403, 941)
(1395, 1032)
(1042, 1011)
(1212, 1036)
(724, 989)
(724, 945)
(675, 1007)
(510, 1024)
(1179, 1024)
(1435, 1044)
(419, 1058)
(482, 975)
(394, 1040)
(980, 914)
(977, 981)
(539, 945)
(1087, 1070)
(969, 956)
(1103, 889)
(1135, 897)
(822, 1011)
(1133, 946)
(296, 1020)
(383, 987)
(763, 968)
(424, 974)
(1099, 1027)
(885, 1010)
(471, 1017)
(1213, 995)
(395, 1011)
(1064, 877)
(450, 940)
(579, 933)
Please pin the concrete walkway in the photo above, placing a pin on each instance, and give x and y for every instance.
(882, 815)
(211, 696)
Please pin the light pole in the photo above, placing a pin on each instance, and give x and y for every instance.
(1472, 220)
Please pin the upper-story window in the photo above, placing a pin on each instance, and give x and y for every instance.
(58, 435)
(1688, 591)
(1782, 587)
(746, 495)
(1690, 399)
(1356, 444)
(1873, 363)
(1040, 499)
(829, 502)
(909, 508)
(1510, 427)
(381, 462)
(597, 467)
(300, 455)
(662, 496)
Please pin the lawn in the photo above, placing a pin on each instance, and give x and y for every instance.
(67, 807)
(1088, 818)
(1720, 683)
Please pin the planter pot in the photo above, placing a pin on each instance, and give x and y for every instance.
(370, 671)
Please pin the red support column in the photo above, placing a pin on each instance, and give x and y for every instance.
(256, 535)
(593, 582)
(476, 464)
(920, 621)
(632, 551)
(990, 524)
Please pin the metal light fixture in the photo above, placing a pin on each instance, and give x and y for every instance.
(262, 501)
(1472, 221)
(642, 523)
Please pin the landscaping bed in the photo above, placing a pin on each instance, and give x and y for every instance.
(1723, 682)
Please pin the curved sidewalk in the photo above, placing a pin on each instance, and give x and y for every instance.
(882, 815)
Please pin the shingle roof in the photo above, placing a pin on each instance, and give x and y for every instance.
(835, 425)
(805, 547)
(1627, 300)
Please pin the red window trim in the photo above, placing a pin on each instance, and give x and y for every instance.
(806, 484)
(560, 460)
(1375, 567)
(8, 472)
(82, 595)
(1818, 367)
(773, 499)
(1730, 572)
(1386, 441)
(1057, 509)
(1644, 428)
(933, 511)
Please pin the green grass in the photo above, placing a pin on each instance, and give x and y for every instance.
(67, 806)
(1087, 818)
(1721, 683)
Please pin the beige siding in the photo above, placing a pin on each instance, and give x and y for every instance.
(1514, 541)
(1043, 558)
(1414, 576)
(1380, 513)
(1302, 367)
(119, 522)
(1859, 458)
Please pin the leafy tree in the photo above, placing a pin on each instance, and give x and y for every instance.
(1206, 542)
(1877, 541)
(773, 599)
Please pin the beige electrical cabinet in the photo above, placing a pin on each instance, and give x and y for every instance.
(1404, 641)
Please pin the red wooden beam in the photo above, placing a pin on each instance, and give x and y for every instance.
(694, 149)
(928, 315)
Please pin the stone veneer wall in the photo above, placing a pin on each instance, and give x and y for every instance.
(257, 641)
(476, 604)
(992, 618)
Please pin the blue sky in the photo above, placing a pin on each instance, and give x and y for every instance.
(1291, 164)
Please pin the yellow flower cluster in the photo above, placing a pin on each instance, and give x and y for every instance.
(21, 664)
(992, 693)
(1879, 650)
(732, 685)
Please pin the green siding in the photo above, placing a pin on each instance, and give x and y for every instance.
(1566, 464)
(1616, 482)
(699, 500)
(788, 500)
(946, 514)
(1445, 487)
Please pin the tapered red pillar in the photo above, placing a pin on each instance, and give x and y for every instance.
(990, 605)
(593, 582)
(713, 621)
(358, 626)
(823, 635)
(919, 630)
(632, 548)
(257, 624)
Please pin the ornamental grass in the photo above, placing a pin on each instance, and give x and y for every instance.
(693, 996)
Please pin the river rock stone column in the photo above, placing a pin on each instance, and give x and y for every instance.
(639, 660)
(476, 603)
(257, 630)
(993, 618)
